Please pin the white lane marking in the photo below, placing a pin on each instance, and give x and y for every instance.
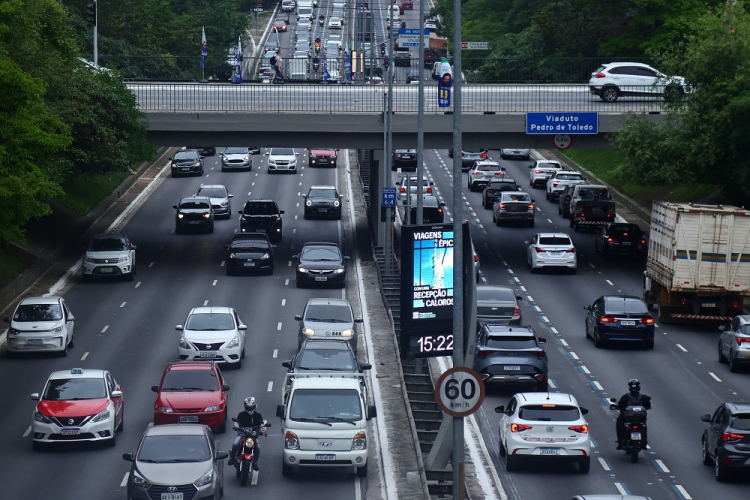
(548, 220)
(554, 330)
(661, 465)
(714, 376)
(684, 493)
(598, 385)
(510, 271)
(294, 230)
(106, 327)
(537, 309)
(151, 264)
(85, 355)
(123, 304)
(28, 431)
(681, 348)
(551, 383)
(283, 302)
(296, 217)
(286, 282)
(222, 264)
(610, 282)
(573, 355)
(254, 480)
(138, 284)
(357, 488)
(125, 480)
(592, 265)
(544, 318)
(289, 265)
(604, 464)
(529, 298)
(249, 193)
(270, 386)
(585, 370)
(562, 341)
(621, 489)
(278, 327)
(214, 283)
(275, 353)
(523, 288)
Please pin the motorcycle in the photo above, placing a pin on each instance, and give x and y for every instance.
(635, 429)
(322, 19)
(245, 458)
(316, 64)
(317, 48)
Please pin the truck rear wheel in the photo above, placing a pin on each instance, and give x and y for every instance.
(665, 314)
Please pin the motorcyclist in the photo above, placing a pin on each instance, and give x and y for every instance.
(248, 418)
(318, 45)
(632, 398)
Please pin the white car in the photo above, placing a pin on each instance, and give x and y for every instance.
(539, 425)
(481, 173)
(334, 23)
(610, 81)
(551, 250)
(282, 160)
(109, 254)
(541, 170)
(41, 324)
(77, 405)
(212, 334)
(560, 180)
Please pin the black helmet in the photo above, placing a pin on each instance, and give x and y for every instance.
(250, 405)
(634, 386)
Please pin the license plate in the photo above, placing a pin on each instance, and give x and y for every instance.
(325, 456)
(208, 354)
(635, 436)
(34, 341)
(70, 432)
(184, 169)
(708, 304)
(512, 368)
(249, 264)
(172, 496)
(556, 254)
(627, 323)
(321, 278)
(322, 210)
(190, 419)
(626, 243)
(106, 270)
(549, 451)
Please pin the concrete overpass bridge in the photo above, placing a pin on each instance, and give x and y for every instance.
(351, 116)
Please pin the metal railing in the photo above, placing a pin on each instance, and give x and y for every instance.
(368, 99)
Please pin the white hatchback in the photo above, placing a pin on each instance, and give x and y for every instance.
(41, 324)
(282, 160)
(540, 425)
(212, 334)
(551, 250)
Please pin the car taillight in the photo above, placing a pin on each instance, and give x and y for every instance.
(555, 184)
(463, 154)
(537, 171)
(683, 302)
(429, 189)
(611, 240)
(501, 206)
(643, 241)
(728, 437)
(476, 258)
(500, 173)
(600, 75)
(607, 319)
(648, 320)
(582, 429)
(570, 250)
(403, 190)
(517, 312)
(531, 207)
(540, 250)
(482, 353)
(484, 155)
(624, 234)
(440, 210)
(742, 341)
(519, 427)
(539, 354)
(635, 426)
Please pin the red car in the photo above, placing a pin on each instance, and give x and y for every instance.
(279, 25)
(192, 392)
(407, 4)
(320, 157)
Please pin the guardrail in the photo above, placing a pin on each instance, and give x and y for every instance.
(369, 99)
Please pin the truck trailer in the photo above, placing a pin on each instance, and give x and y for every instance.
(698, 264)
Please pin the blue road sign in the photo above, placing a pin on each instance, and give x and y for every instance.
(388, 197)
(409, 37)
(562, 123)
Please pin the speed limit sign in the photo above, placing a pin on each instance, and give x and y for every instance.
(459, 392)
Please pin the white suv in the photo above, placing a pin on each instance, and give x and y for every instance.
(282, 160)
(541, 170)
(613, 80)
(544, 425)
(481, 173)
(109, 254)
(213, 334)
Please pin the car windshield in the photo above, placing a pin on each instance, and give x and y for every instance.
(549, 413)
(261, 208)
(510, 341)
(210, 322)
(213, 192)
(502, 186)
(493, 294)
(186, 155)
(282, 152)
(174, 449)
(38, 312)
(554, 240)
(406, 151)
(107, 245)
(250, 243)
(329, 313)
(330, 254)
(569, 177)
(195, 205)
(236, 151)
(616, 305)
(548, 164)
(325, 405)
(628, 230)
(522, 197)
(72, 389)
(325, 359)
(593, 192)
(322, 193)
(189, 381)
(741, 422)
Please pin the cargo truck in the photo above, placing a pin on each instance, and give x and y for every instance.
(437, 48)
(698, 264)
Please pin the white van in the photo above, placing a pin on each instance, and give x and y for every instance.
(324, 422)
(305, 9)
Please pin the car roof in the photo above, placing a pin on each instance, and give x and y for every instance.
(328, 381)
(108, 235)
(250, 237)
(320, 244)
(212, 186)
(339, 345)
(176, 430)
(546, 398)
(618, 64)
(190, 365)
(255, 200)
(554, 235)
(195, 197)
(328, 301)
(502, 329)
(80, 373)
(738, 407)
(40, 300)
(486, 162)
(621, 297)
(322, 187)
(211, 310)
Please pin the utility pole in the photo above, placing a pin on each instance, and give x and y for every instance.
(91, 16)
(420, 117)
(388, 121)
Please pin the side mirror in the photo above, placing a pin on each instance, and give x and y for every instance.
(225, 387)
(179, 327)
(613, 401)
(116, 394)
(226, 246)
(221, 455)
(287, 363)
(175, 207)
(242, 327)
(531, 166)
(231, 196)
(281, 211)
(365, 366)
(239, 212)
(35, 396)
(533, 201)
(304, 196)
(588, 308)
(267, 425)
(133, 247)
(499, 409)
(542, 340)
(296, 154)
(706, 417)
(298, 317)
(519, 297)
(584, 411)
(267, 153)
(295, 256)
(525, 242)
(154, 388)
(128, 457)
(358, 320)
(721, 328)
(280, 411)
(346, 257)
(372, 412)
(170, 159)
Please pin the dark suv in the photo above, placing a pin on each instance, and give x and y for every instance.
(493, 189)
(619, 318)
(187, 162)
(404, 158)
(249, 252)
(511, 355)
(194, 212)
(619, 237)
(726, 442)
(262, 216)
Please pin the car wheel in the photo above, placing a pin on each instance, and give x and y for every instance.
(546, 194)
(494, 219)
(286, 470)
(559, 210)
(720, 472)
(610, 94)
(532, 222)
(722, 358)
(64, 352)
(361, 471)
(598, 342)
(270, 270)
(131, 275)
(498, 222)
(565, 214)
(112, 442)
(584, 465)
(502, 451)
(510, 462)
(649, 344)
(223, 427)
(73, 340)
(571, 222)
(573, 270)
(487, 205)
(732, 363)
(306, 216)
(706, 457)
(223, 169)
(586, 329)
(238, 364)
(174, 174)
(121, 427)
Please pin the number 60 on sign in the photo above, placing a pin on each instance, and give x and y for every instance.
(459, 392)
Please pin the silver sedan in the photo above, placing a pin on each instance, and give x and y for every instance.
(734, 343)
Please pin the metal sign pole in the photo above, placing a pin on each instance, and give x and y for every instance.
(420, 116)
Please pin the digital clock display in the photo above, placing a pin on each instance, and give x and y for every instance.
(428, 345)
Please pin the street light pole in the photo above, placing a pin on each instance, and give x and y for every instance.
(388, 121)
(420, 117)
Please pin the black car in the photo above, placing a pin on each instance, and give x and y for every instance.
(493, 188)
(563, 201)
(186, 162)
(262, 216)
(619, 237)
(619, 318)
(325, 356)
(206, 150)
(497, 304)
(404, 158)
(321, 264)
(432, 210)
(194, 213)
(726, 442)
(402, 59)
(323, 201)
(249, 252)
(511, 355)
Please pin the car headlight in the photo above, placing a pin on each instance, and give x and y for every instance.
(90, 260)
(308, 331)
(224, 203)
(123, 259)
(13, 331)
(301, 269)
(333, 157)
(205, 479)
(197, 164)
(265, 256)
(359, 442)
(291, 441)
(247, 158)
(293, 162)
(206, 216)
(212, 408)
(57, 330)
(271, 161)
(164, 409)
(41, 417)
(140, 481)
(234, 343)
(232, 255)
(337, 203)
(308, 203)
(339, 271)
(104, 415)
(347, 333)
(183, 344)
(180, 216)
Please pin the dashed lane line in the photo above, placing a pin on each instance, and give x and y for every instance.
(597, 385)
(205, 302)
(85, 355)
(660, 465)
(283, 302)
(584, 370)
(573, 355)
(28, 431)
(714, 376)
(214, 283)
(681, 492)
(123, 304)
(610, 282)
(622, 489)
(605, 464)
(124, 481)
(681, 348)
(275, 353)
(106, 327)
(278, 327)
(270, 386)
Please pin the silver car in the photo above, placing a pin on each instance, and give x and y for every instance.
(212, 333)
(109, 255)
(41, 324)
(734, 343)
(328, 319)
(524, 154)
(221, 200)
(176, 461)
(497, 304)
(236, 159)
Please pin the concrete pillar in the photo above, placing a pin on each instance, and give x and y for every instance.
(376, 183)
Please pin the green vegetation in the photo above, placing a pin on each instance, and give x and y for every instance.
(13, 261)
(82, 193)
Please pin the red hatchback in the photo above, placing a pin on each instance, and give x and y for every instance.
(192, 392)
(407, 4)
(279, 25)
